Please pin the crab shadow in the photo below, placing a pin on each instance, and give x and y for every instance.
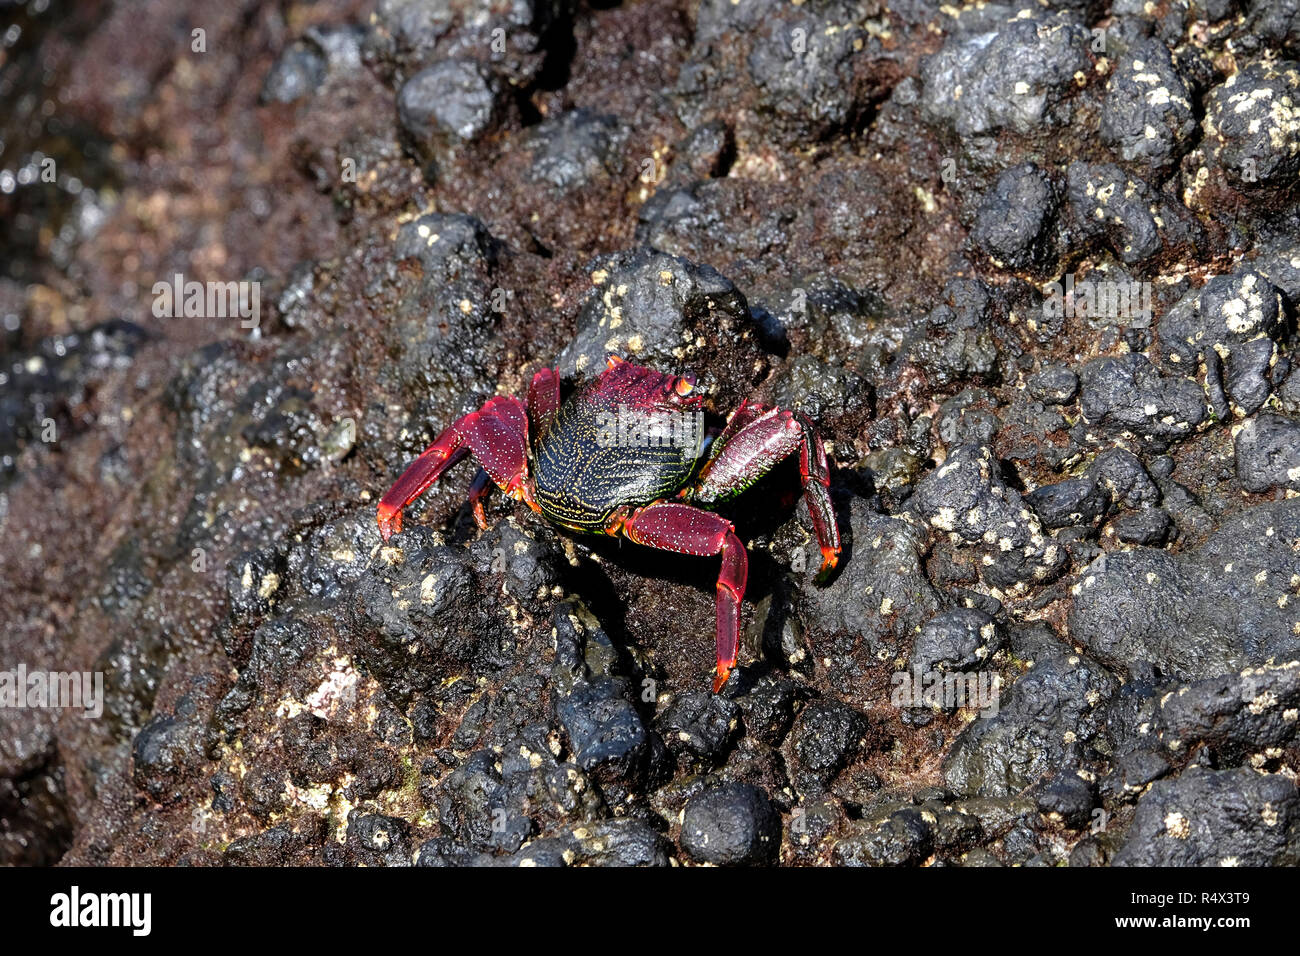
(607, 575)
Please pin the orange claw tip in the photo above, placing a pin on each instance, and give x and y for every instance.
(390, 521)
(829, 560)
(721, 675)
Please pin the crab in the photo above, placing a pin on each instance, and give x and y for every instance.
(624, 456)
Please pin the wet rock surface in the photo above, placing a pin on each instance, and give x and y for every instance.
(1032, 273)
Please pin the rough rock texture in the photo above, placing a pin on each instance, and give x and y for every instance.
(1215, 818)
(1226, 604)
(1032, 273)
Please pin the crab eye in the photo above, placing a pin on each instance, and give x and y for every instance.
(684, 387)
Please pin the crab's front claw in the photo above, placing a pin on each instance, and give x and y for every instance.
(390, 520)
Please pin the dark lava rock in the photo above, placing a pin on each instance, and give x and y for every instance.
(327, 561)
(706, 152)
(448, 246)
(441, 332)
(1147, 117)
(956, 339)
(810, 71)
(1268, 453)
(768, 708)
(1280, 264)
(1253, 136)
(421, 610)
(1048, 724)
(505, 184)
(1212, 10)
(1124, 476)
(529, 568)
(821, 391)
(1150, 526)
(624, 842)
(1235, 715)
(903, 838)
(296, 73)
(1288, 393)
(1233, 324)
(968, 418)
(275, 668)
(1014, 222)
(420, 615)
(252, 582)
(1017, 75)
(449, 102)
(957, 640)
(1132, 771)
(809, 68)
(577, 147)
(305, 65)
(824, 317)
(870, 611)
(1135, 221)
(511, 40)
(444, 851)
(1068, 797)
(474, 808)
(604, 729)
(1036, 434)
(376, 840)
(1215, 818)
(968, 498)
(1273, 23)
(278, 846)
(666, 312)
(953, 828)
(700, 724)
(1224, 606)
(1127, 396)
(1072, 502)
(172, 744)
(1055, 385)
(43, 382)
(827, 735)
(621, 842)
(595, 705)
(734, 824)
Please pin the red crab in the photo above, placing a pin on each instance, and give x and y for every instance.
(578, 465)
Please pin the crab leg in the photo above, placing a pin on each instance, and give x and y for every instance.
(477, 489)
(684, 529)
(543, 400)
(754, 441)
(496, 434)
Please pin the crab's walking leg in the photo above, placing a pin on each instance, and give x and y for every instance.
(496, 434)
(815, 473)
(755, 439)
(671, 526)
(477, 489)
(543, 400)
